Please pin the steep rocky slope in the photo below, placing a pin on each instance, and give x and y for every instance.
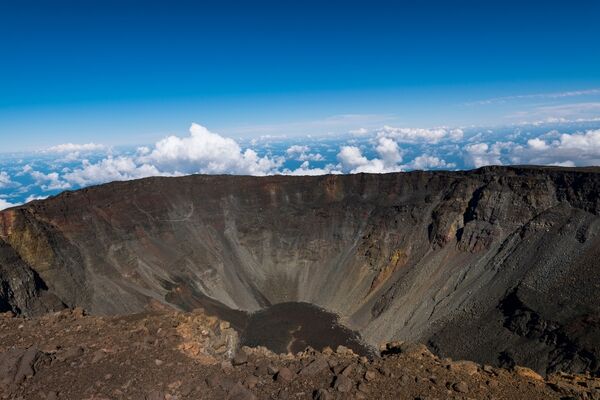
(498, 265)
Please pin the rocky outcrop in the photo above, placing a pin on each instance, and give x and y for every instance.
(21, 289)
(424, 256)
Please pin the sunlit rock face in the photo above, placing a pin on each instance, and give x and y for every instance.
(498, 265)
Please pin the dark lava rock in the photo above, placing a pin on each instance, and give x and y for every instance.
(285, 375)
(251, 381)
(70, 354)
(240, 358)
(343, 384)
(315, 367)
(239, 392)
(321, 394)
(213, 381)
(370, 376)
(155, 395)
(16, 365)
(461, 387)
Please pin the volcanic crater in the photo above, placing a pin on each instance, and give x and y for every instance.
(498, 265)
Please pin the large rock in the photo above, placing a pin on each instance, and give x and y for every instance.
(16, 365)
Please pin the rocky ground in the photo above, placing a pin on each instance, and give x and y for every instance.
(161, 354)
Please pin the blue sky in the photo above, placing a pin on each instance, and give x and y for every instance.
(272, 75)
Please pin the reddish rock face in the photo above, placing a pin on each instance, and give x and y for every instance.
(481, 264)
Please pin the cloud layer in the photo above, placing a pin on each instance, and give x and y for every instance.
(383, 150)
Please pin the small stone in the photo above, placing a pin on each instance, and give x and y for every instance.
(224, 325)
(226, 384)
(158, 362)
(272, 370)
(285, 375)
(213, 381)
(321, 394)
(226, 365)
(97, 356)
(240, 358)
(461, 387)
(492, 384)
(155, 395)
(348, 370)
(370, 376)
(71, 354)
(342, 384)
(186, 389)
(315, 367)
(363, 387)
(405, 380)
(488, 368)
(468, 367)
(78, 312)
(251, 381)
(239, 392)
(344, 351)
(528, 373)
(51, 395)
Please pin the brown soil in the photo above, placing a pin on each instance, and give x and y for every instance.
(162, 354)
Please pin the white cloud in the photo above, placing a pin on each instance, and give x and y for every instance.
(359, 132)
(580, 148)
(389, 151)
(588, 142)
(50, 181)
(552, 148)
(351, 157)
(110, 169)
(200, 152)
(537, 144)
(208, 153)
(305, 169)
(414, 135)
(297, 149)
(561, 113)
(34, 197)
(72, 148)
(425, 162)
(554, 95)
(352, 160)
(481, 154)
(563, 164)
(301, 153)
(5, 204)
(311, 157)
(5, 180)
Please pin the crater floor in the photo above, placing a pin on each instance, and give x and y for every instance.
(292, 327)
